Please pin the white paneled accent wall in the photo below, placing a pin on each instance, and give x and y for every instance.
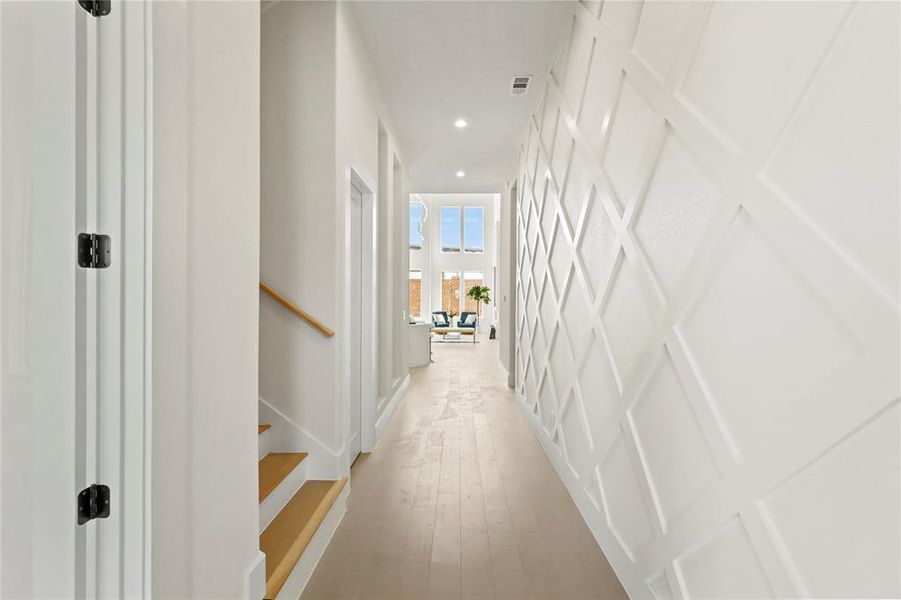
(707, 293)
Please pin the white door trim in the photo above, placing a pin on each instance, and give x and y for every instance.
(354, 178)
(75, 382)
(124, 102)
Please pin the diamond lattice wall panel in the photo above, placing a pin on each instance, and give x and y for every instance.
(707, 277)
(758, 311)
(532, 150)
(659, 32)
(538, 351)
(839, 522)
(572, 423)
(659, 587)
(576, 321)
(740, 91)
(561, 364)
(547, 405)
(629, 328)
(561, 261)
(548, 125)
(673, 217)
(597, 386)
(626, 513)
(547, 307)
(601, 92)
(635, 126)
(725, 566)
(592, 489)
(531, 389)
(549, 214)
(592, 6)
(558, 70)
(621, 18)
(560, 153)
(578, 187)
(836, 161)
(581, 46)
(539, 265)
(598, 246)
(677, 455)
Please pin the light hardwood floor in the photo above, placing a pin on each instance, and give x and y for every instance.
(459, 501)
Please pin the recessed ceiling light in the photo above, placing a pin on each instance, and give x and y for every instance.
(461, 174)
(460, 123)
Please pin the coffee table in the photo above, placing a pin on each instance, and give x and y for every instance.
(443, 331)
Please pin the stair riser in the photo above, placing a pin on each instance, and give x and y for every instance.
(274, 502)
(265, 443)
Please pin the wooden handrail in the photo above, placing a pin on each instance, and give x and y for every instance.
(300, 313)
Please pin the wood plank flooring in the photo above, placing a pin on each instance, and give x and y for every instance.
(459, 501)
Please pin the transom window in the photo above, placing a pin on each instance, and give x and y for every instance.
(463, 229)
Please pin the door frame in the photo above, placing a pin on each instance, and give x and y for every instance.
(99, 364)
(355, 178)
(510, 317)
(125, 202)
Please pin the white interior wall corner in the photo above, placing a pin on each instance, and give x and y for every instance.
(205, 336)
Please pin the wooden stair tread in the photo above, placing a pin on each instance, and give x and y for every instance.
(262, 428)
(274, 467)
(289, 534)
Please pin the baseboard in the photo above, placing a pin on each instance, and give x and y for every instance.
(255, 578)
(288, 436)
(591, 513)
(382, 422)
(304, 568)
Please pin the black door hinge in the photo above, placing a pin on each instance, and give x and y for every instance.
(93, 251)
(93, 503)
(97, 8)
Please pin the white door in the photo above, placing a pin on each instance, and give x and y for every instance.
(356, 321)
(71, 338)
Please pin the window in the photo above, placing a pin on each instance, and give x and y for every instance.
(473, 229)
(463, 227)
(451, 228)
(450, 292)
(416, 214)
(415, 293)
(454, 295)
(470, 279)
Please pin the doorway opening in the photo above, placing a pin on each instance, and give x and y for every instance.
(361, 317)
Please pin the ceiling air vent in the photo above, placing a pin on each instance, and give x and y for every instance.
(520, 85)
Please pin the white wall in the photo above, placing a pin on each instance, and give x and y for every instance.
(709, 221)
(321, 116)
(361, 115)
(205, 519)
(432, 261)
(298, 237)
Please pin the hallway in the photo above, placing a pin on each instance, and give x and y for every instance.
(459, 500)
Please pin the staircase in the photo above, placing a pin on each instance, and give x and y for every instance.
(297, 515)
(292, 512)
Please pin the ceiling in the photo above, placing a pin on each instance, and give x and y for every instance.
(439, 61)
